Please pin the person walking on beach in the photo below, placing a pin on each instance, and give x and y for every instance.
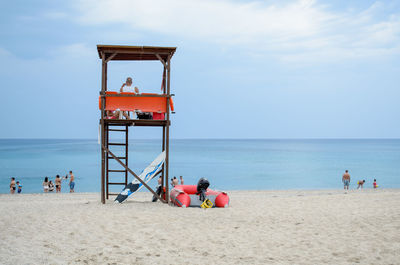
(45, 185)
(181, 180)
(346, 180)
(57, 181)
(71, 182)
(19, 186)
(12, 186)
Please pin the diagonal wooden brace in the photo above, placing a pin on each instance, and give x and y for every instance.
(110, 57)
(162, 61)
(133, 173)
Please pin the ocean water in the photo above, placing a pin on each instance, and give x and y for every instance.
(228, 164)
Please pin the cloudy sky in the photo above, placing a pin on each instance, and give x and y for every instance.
(243, 69)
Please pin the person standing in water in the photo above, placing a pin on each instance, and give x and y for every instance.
(19, 186)
(71, 182)
(181, 180)
(360, 183)
(375, 185)
(12, 186)
(45, 185)
(346, 180)
(58, 183)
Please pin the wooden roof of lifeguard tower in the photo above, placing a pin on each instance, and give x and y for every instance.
(135, 53)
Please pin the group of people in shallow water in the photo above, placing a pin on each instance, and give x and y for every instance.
(360, 183)
(15, 185)
(48, 185)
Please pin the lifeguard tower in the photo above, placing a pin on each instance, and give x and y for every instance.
(159, 105)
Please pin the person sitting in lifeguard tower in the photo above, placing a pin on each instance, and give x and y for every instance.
(126, 87)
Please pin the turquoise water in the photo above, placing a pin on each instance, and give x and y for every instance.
(228, 164)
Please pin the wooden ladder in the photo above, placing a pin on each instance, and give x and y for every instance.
(125, 158)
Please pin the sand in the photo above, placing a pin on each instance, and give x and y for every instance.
(259, 227)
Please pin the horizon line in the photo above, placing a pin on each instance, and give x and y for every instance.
(305, 138)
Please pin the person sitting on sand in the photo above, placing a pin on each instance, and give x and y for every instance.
(158, 189)
(346, 180)
(71, 182)
(58, 183)
(19, 186)
(12, 186)
(46, 184)
(375, 185)
(360, 183)
(51, 186)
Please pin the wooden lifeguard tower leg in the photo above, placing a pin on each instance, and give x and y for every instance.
(102, 93)
(167, 129)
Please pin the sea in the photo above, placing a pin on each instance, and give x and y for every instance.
(237, 164)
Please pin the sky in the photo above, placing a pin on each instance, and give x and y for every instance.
(242, 69)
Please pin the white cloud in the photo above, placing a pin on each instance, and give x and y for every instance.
(291, 31)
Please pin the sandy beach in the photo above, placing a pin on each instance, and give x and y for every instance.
(259, 227)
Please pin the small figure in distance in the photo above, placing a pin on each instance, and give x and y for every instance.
(346, 180)
(174, 182)
(19, 186)
(58, 183)
(12, 186)
(51, 186)
(360, 183)
(71, 182)
(45, 185)
(375, 184)
(158, 190)
(181, 180)
(159, 181)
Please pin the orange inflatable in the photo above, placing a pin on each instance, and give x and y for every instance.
(145, 102)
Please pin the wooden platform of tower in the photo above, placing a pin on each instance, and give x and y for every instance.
(156, 103)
